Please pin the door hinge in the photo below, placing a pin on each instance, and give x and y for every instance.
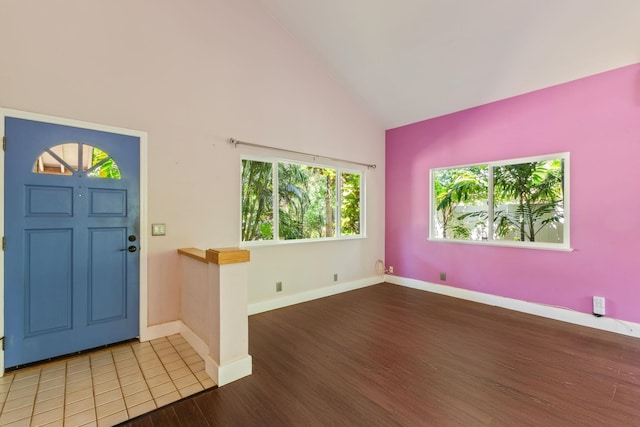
(4, 242)
(2, 339)
(4, 143)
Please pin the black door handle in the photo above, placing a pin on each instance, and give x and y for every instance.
(130, 249)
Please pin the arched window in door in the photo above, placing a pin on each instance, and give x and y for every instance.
(74, 157)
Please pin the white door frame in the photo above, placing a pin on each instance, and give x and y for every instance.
(144, 236)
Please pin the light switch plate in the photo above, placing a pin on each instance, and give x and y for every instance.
(158, 229)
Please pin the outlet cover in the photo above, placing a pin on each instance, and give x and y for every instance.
(335, 277)
(443, 276)
(598, 306)
(278, 286)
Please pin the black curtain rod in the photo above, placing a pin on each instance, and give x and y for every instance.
(236, 142)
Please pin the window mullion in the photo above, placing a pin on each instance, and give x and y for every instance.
(275, 201)
(490, 208)
(338, 208)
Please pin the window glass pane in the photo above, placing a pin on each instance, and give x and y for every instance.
(461, 208)
(350, 204)
(107, 168)
(257, 200)
(529, 201)
(59, 160)
(307, 201)
(64, 159)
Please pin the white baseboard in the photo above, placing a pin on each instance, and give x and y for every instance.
(161, 330)
(221, 375)
(284, 301)
(232, 371)
(557, 313)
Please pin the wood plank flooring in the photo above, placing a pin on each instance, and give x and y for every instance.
(387, 355)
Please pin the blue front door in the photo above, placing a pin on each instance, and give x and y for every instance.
(72, 238)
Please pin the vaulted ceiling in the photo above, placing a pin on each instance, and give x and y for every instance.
(409, 60)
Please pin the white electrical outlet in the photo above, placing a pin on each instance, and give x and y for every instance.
(391, 269)
(598, 306)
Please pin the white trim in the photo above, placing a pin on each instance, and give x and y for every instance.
(566, 235)
(284, 301)
(221, 375)
(144, 332)
(552, 312)
(161, 330)
(231, 371)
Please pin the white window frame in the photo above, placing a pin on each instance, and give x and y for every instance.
(275, 201)
(564, 246)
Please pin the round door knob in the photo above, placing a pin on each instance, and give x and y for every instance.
(132, 248)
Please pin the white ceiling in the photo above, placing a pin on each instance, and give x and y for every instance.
(410, 60)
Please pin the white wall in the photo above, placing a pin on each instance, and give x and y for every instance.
(193, 73)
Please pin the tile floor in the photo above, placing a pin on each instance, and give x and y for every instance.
(104, 387)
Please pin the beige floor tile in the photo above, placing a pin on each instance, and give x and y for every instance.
(103, 361)
(152, 372)
(79, 376)
(175, 365)
(143, 408)
(190, 389)
(133, 388)
(170, 358)
(26, 422)
(52, 383)
(158, 380)
(49, 417)
(166, 351)
(17, 393)
(10, 417)
(138, 398)
(208, 383)
(80, 419)
(106, 386)
(185, 381)
(79, 385)
(24, 382)
(192, 359)
(109, 396)
(54, 367)
(99, 370)
(132, 378)
(113, 419)
(13, 404)
(97, 387)
(4, 388)
(128, 370)
(163, 389)
(79, 406)
(167, 398)
(52, 375)
(27, 373)
(78, 395)
(110, 408)
(78, 365)
(179, 373)
(48, 405)
(104, 377)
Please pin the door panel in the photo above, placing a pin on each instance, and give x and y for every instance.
(71, 201)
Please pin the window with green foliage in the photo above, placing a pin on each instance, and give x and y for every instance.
(284, 200)
(521, 202)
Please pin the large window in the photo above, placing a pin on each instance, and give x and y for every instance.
(284, 200)
(521, 202)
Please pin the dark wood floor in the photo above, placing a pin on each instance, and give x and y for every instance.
(388, 355)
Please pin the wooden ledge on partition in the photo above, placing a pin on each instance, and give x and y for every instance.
(195, 253)
(228, 255)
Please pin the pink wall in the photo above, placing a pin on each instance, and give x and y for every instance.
(597, 120)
